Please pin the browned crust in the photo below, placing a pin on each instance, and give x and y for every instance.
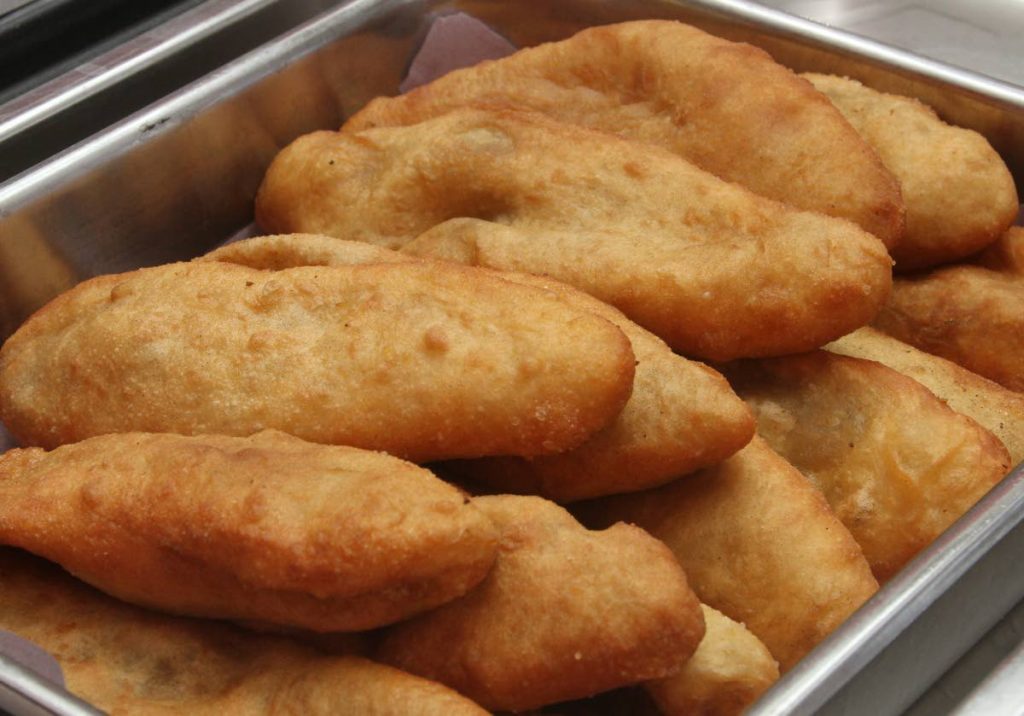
(714, 270)
(127, 660)
(565, 613)
(266, 528)
(726, 106)
(960, 196)
(474, 364)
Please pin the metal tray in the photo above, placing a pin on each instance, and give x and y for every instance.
(122, 70)
(179, 177)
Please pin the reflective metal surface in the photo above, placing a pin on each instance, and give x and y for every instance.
(179, 177)
(46, 38)
(32, 107)
(983, 35)
(93, 95)
(967, 681)
(7, 6)
(25, 693)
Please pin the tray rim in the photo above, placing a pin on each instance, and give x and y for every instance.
(821, 674)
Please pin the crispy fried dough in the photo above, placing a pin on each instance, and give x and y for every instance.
(752, 295)
(897, 465)
(283, 251)
(725, 106)
(995, 408)
(565, 613)
(729, 671)
(126, 660)
(958, 192)
(681, 415)
(712, 269)
(423, 360)
(1006, 254)
(758, 542)
(971, 315)
(267, 528)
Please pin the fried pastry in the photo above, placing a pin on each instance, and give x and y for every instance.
(958, 192)
(422, 360)
(681, 415)
(1006, 254)
(565, 613)
(758, 543)
(725, 106)
(998, 410)
(972, 315)
(284, 251)
(897, 465)
(729, 671)
(267, 528)
(709, 267)
(126, 660)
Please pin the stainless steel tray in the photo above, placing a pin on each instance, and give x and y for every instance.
(126, 74)
(179, 177)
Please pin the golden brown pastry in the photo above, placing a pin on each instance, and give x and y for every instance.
(283, 251)
(725, 106)
(969, 314)
(680, 416)
(958, 192)
(709, 267)
(126, 660)
(267, 528)
(565, 613)
(758, 543)
(426, 361)
(1006, 254)
(729, 671)
(998, 410)
(897, 465)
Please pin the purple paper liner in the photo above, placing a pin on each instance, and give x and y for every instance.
(454, 41)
